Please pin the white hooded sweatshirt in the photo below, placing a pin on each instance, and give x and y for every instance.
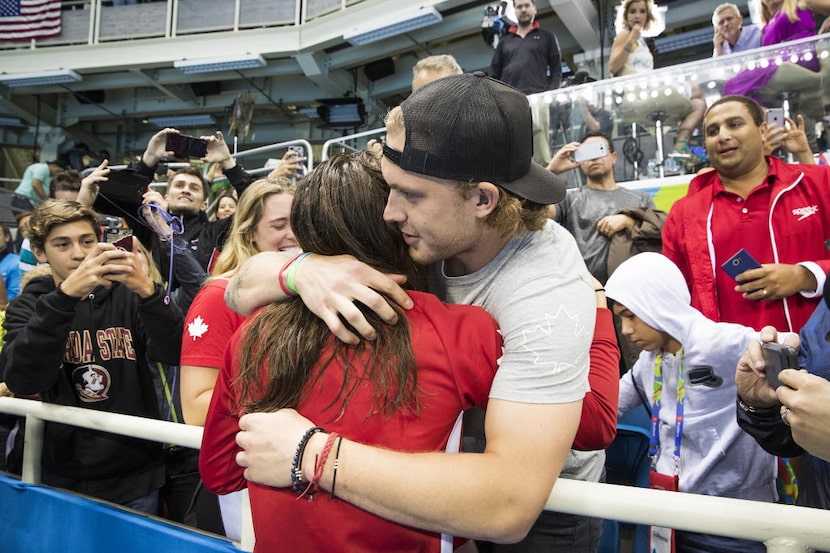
(716, 456)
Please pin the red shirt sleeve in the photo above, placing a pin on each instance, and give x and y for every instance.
(598, 425)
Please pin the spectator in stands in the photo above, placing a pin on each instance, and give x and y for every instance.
(528, 58)
(688, 361)
(730, 34)
(66, 185)
(630, 54)
(9, 266)
(601, 211)
(69, 187)
(482, 224)
(368, 394)
(22, 218)
(792, 420)
(93, 290)
(433, 67)
(226, 206)
(216, 234)
(778, 212)
(783, 21)
(35, 185)
(261, 223)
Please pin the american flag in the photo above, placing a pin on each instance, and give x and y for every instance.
(27, 19)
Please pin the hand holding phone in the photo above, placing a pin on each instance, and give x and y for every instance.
(299, 153)
(740, 262)
(778, 357)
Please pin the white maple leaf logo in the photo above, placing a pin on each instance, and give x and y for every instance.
(197, 327)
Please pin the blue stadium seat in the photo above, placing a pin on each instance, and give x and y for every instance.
(627, 463)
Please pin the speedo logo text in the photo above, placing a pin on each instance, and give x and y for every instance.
(806, 211)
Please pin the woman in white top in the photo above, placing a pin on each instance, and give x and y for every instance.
(630, 54)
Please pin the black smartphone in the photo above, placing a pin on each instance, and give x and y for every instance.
(186, 146)
(778, 357)
(740, 262)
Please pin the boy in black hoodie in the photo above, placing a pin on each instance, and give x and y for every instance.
(81, 336)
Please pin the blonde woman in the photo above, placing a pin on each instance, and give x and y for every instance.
(630, 54)
(261, 223)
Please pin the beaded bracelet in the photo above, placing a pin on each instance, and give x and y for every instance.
(297, 462)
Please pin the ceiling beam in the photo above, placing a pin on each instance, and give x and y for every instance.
(580, 18)
(314, 67)
(175, 92)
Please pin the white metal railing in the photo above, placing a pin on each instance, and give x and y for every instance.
(342, 141)
(784, 528)
(278, 146)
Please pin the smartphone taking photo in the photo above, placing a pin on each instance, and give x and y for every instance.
(183, 145)
(299, 152)
(775, 116)
(591, 150)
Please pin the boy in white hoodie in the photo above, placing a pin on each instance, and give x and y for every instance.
(692, 360)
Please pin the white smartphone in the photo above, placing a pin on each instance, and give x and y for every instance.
(775, 116)
(591, 150)
(299, 151)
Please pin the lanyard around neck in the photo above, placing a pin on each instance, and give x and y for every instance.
(654, 443)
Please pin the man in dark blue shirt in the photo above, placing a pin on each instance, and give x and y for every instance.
(528, 58)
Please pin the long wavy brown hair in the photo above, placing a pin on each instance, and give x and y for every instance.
(337, 209)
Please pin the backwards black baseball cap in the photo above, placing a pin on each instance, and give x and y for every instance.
(473, 128)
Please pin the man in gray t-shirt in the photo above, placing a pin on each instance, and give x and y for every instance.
(594, 212)
(469, 202)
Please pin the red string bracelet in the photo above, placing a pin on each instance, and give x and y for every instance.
(319, 465)
(283, 285)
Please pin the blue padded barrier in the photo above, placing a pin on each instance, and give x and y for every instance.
(36, 519)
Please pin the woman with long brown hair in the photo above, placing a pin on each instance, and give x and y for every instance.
(404, 390)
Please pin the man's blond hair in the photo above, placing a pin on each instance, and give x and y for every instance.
(443, 64)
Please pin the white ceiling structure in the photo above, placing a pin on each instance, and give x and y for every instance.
(126, 82)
